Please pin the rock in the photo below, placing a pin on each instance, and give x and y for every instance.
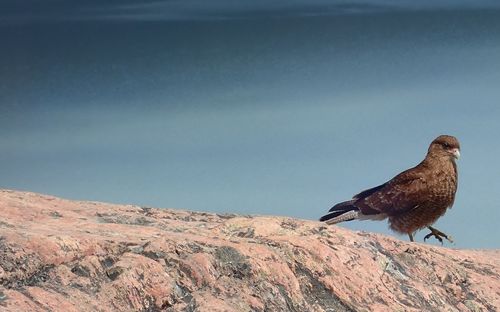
(61, 255)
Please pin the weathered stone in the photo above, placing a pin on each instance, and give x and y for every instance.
(61, 255)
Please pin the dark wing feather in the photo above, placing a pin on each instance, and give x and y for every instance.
(368, 192)
(345, 206)
(404, 192)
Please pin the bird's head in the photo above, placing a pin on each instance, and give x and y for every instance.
(445, 145)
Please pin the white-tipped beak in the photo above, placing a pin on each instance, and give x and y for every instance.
(456, 153)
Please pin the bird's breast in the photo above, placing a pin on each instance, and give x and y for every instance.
(443, 188)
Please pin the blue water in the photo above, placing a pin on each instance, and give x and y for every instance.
(255, 113)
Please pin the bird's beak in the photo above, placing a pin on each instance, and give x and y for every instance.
(456, 153)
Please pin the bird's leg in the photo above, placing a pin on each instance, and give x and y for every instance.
(410, 235)
(437, 234)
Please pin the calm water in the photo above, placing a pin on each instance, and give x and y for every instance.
(252, 114)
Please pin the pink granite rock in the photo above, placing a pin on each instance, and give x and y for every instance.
(61, 255)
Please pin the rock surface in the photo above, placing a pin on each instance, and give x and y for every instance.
(61, 255)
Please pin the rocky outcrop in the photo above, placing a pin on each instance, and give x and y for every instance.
(61, 255)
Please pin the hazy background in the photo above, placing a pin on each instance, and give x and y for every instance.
(254, 108)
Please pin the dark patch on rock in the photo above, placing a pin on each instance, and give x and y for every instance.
(185, 249)
(155, 255)
(39, 276)
(226, 215)
(114, 273)
(289, 303)
(248, 233)
(194, 248)
(35, 278)
(289, 224)
(108, 262)
(80, 287)
(80, 271)
(149, 305)
(180, 293)
(123, 219)
(417, 300)
(28, 269)
(394, 262)
(8, 261)
(138, 249)
(180, 300)
(191, 307)
(103, 215)
(147, 211)
(316, 293)
(3, 298)
(232, 263)
(141, 221)
(321, 231)
(189, 219)
(480, 269)
(6, 225)
(55, 214)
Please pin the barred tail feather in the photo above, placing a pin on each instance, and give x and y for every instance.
(344, 211)
(340, 216)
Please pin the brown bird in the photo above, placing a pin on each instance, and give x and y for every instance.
(412, 200)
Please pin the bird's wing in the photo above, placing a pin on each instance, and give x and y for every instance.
(404, 192)
(370, 191)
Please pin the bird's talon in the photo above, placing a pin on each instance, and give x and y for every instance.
(438, 235)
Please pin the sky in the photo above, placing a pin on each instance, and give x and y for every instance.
(262, 108)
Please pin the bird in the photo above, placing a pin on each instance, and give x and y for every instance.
(412, 200)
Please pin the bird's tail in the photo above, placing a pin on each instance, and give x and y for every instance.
(344, 211)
